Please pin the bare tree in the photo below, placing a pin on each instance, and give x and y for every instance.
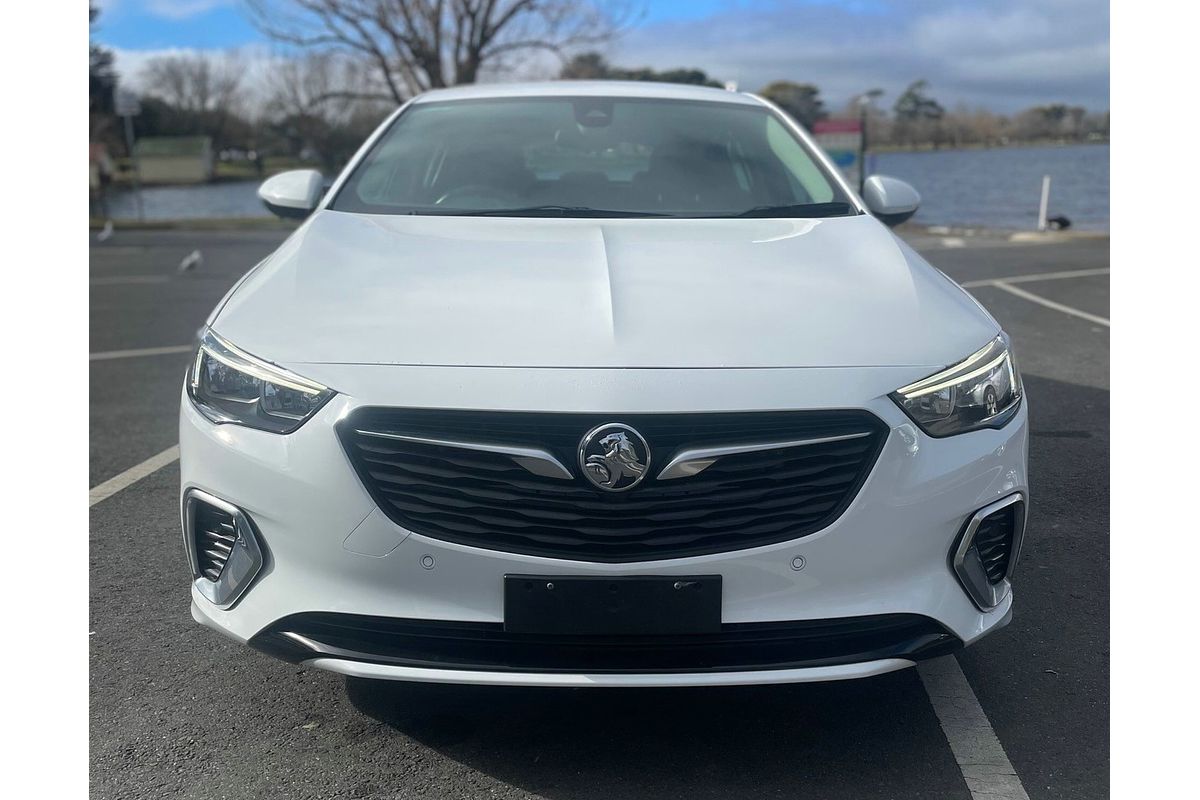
(414, 45)
(195, 82)
(320, 84)
(205, 88)
(315, 103)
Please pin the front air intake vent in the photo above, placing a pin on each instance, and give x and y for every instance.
(988, 548)
(215, 535)
(223, 547)
(994, 541)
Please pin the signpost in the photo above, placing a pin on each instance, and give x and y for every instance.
(1045, 204)
(126, 104)
(842, 140)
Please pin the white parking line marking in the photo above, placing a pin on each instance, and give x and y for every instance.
(1038, 276)
(132, 475)
(145, 351)
(117, 280)
(1035, 298)
(984, 764)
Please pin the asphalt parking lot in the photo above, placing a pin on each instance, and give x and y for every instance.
(178, 711)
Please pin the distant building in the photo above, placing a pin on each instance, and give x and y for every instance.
(175, 159)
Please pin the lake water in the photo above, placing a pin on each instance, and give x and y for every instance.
(1001, 188)
(204, 201)
(997, 188)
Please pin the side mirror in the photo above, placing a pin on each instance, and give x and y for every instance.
(890, 199)
(293, 194)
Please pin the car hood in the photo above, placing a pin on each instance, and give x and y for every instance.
(641, 293)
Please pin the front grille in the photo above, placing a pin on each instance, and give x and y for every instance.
(215, 534)
(487, 500)
(994, 541)
(487, 646)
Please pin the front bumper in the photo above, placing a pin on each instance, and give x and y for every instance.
(330, 550)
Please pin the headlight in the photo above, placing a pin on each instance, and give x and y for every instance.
(983, 391)
(230, 385)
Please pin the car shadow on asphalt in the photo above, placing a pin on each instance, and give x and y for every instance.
(815, 740)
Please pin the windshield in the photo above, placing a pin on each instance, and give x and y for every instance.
(591, 156)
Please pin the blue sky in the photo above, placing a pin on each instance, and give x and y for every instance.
(164, 24)
(998, 54)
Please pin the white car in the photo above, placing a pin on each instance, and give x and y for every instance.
(600, 384)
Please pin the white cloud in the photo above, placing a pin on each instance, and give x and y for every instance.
(129, 63)
(182, 9)
(1004, 56)
(255, 62)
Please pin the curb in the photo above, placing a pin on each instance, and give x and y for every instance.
(1001, 234)
(197, 224)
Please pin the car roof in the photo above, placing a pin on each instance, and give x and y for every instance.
(670, 91)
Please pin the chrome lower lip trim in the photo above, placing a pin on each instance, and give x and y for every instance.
(316, 647)
(694, 461)
(322, 649)
(534, 459)
(591, 680)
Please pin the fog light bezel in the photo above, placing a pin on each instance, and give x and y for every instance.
(245, 561)
(983, 593)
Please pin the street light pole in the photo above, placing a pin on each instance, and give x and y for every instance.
(862, 143)
(126, 105)
(137, 169)
(864, 105)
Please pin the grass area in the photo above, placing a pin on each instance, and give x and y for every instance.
(225, 170)
(247, 170)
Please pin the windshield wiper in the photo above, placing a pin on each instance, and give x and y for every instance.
(836, 209)
(555, 211)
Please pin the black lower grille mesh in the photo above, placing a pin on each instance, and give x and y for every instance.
(994, 541)
(215, 534)
(487, 500)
